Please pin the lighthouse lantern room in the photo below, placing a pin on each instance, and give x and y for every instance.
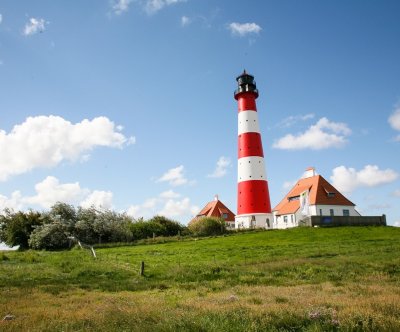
(254, 206)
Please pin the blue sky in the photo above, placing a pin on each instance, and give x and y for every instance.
(129, 104)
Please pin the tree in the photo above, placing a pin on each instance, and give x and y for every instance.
(16, 227)
(171, 227)
(64, 213)
(207, 226)
(50, 237)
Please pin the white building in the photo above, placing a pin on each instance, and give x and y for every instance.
(312, 195)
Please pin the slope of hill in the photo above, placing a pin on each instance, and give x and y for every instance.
(293, 280)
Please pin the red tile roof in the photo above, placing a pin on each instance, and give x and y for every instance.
(318, 195)
(216, 208)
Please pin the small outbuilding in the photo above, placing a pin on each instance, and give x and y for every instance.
(217, 209)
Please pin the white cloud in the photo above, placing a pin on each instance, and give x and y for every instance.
(169, 194)
(396, 224)
(45, 141)
(34, 25)
(287, 185)
(51, 190)
(324, 134)
(153, 6)
(222, 164)
(348, 179)
(165, 204)
(14, 202)
(396, 193)
(185, 21)
(177, 208)
(1, 18)
(293, 119)
(120, 6)
(394, 119)
(243, 29)
(174, 176)
(99, 199)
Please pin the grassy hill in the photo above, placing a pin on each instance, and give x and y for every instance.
(305, 279)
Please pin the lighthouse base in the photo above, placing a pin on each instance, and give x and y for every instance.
(255, 220)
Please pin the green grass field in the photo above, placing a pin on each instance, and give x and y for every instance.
(305, 279)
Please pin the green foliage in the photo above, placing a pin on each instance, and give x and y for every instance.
(16, 227)
(64, 213)
(50, 237)
(207, 226)
(171, 227)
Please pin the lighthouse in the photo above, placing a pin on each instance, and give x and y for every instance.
(253, 202)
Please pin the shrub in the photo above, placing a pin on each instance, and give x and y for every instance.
(171, 227)
(50, 237)
(207, 226)
(16, 227)
(143, 229)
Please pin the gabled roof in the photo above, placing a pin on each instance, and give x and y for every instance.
(216, 208)
(320, 192)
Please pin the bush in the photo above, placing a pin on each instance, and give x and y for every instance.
(16, 227)
(144, 229)
(171, 227)
(50, 237)
(207, 226)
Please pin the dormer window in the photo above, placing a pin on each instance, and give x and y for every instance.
(330, 194)
(294, 198)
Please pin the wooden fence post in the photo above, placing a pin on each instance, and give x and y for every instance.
(142, 268)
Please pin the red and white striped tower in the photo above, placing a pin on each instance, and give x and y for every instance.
(254, 206)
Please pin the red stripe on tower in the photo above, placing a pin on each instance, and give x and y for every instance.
(254, 206)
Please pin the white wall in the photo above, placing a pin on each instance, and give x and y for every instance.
(244, 221)
(337, 210)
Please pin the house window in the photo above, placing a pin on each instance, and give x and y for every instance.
(225, 215)
(291, 218)
(331, 212)
(320, 212)
(346, 213)
(285, 219)
(331, 195)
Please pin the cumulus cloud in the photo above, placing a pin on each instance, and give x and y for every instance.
(166, 204)
(394, 121)
(174, 176)
(293, 119)
(169, 194)
(244, 29)
(176, 208)
(185, 21)
(98, 198)
(324, 134)
(34, 25)
(120, 6)
(221, 169)
(14, 202)
(349, 179)
(45, 141)
(396, 223)
(153, 6)
(51, 190)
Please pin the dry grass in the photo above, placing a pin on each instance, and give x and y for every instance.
(364, 307)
